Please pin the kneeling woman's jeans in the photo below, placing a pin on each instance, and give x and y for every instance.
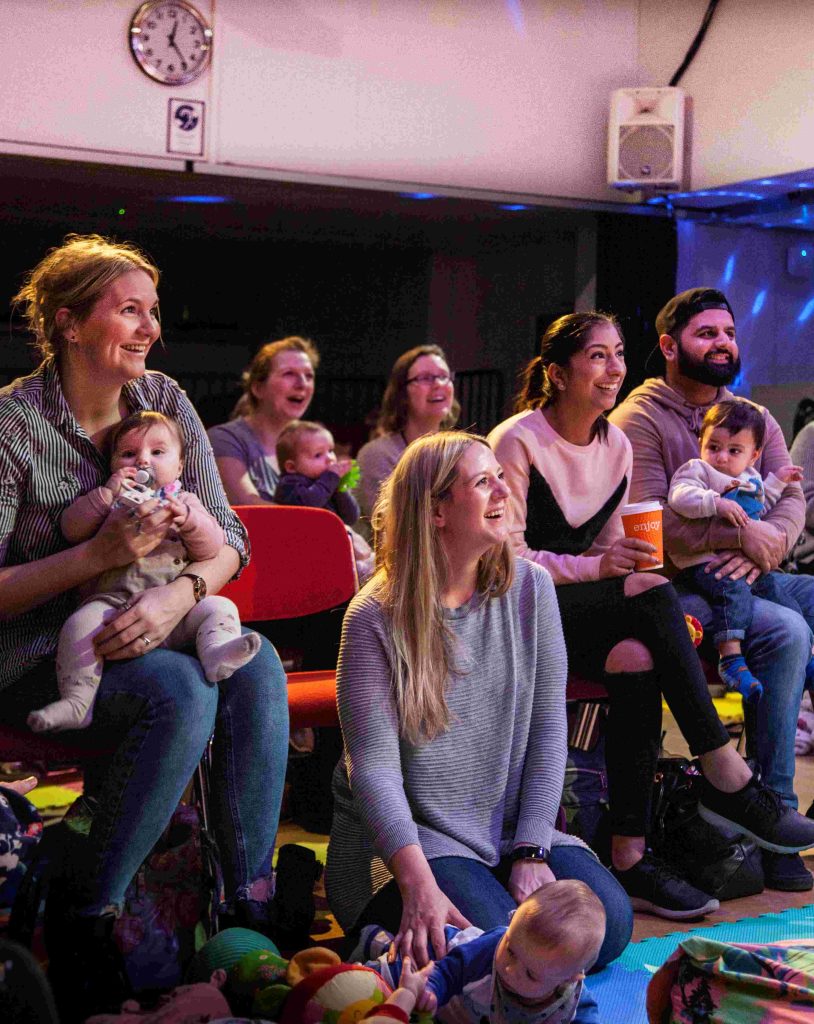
(159, 711)
(480, 893)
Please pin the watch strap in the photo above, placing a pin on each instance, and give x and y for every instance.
(198, 585)
(539, 853)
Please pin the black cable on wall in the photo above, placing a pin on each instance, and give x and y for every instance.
(695, 45)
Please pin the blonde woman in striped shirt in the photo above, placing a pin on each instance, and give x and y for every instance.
(93, 309)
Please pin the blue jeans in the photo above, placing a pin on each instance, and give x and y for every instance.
(777, 647)
(159, 712)
(731, 600)
(480, 893)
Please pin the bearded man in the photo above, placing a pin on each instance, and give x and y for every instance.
(662, 419)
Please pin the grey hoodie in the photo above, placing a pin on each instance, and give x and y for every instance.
(663, 428)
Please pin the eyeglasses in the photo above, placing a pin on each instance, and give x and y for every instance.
(428, 379)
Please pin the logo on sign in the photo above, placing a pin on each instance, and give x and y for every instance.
(187, 118)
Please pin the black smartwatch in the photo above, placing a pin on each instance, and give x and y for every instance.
(198, 585)
(539, 853)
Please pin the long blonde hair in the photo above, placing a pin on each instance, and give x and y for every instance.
(412, 575)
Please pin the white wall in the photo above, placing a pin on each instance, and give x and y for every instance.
(69, 85)
(751, 83)
(504, 95)
(774, 312)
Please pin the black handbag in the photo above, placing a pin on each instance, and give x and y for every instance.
(720, 862)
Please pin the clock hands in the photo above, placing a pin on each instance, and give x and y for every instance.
(173, 44)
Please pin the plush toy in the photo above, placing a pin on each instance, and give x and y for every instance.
(261, 981)
(187, 1003)
(341, 994)
(695, 628)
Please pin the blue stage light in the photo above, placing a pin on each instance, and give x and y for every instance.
(757, 305)
(806, 312)
(200, 199)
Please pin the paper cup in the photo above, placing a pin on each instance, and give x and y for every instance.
(643, 521)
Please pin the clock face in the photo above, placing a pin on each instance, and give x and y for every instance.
(170, 41)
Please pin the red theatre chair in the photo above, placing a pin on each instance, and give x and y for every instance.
(302, 563)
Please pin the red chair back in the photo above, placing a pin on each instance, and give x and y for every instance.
(302, 562)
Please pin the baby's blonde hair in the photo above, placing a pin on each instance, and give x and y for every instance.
(568, 916)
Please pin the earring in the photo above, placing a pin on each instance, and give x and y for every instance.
(561, 386)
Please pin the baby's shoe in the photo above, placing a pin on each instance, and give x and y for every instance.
(373, 941)
(737, 678)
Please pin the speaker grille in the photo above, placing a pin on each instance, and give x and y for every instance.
(646, 152)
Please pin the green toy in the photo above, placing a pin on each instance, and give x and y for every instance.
(350, 481)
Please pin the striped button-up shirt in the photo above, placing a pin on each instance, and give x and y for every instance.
(46, 461)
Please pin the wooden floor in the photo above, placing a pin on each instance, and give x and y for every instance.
(646, 925)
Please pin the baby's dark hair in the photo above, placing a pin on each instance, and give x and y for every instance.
(142, 421)
(734, 415)
(568, 916)
(291, 435)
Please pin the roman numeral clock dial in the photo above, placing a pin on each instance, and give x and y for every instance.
(170, 41)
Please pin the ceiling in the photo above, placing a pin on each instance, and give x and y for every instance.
(783, 201)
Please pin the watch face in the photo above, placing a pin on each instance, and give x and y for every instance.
(170, 41)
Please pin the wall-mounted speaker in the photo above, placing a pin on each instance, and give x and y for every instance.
(646, 137)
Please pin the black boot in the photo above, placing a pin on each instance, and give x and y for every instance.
(85, 966)
(291, 913)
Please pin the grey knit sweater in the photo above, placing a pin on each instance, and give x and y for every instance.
(492, 781)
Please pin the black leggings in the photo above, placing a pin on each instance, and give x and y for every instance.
(596, 617)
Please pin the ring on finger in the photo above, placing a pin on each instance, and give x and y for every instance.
(146, 641)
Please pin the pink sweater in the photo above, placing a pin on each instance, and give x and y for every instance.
(582, 481)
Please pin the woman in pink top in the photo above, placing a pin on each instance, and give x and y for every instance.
(569, 471)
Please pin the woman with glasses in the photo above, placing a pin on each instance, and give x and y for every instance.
(419, 399)
(277, 388)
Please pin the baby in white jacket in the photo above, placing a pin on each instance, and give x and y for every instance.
(725, 483)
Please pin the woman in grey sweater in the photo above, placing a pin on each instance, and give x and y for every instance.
(451, 692)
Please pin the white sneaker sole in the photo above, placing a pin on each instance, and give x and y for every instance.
(728, 823)
(673, 915)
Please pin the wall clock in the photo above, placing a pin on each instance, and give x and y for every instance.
(170, 41)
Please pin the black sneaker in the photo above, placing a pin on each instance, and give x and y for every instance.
(654, 886)
(759, 813)
(786, 872)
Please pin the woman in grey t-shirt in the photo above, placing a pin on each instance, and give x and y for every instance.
(277, 388)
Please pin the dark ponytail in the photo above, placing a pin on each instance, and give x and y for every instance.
(535, 387)
(562, 339)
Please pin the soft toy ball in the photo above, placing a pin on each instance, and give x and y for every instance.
(225, 949)
(695, 628)
(342, 994)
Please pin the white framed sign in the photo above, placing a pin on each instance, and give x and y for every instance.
(185, 127)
